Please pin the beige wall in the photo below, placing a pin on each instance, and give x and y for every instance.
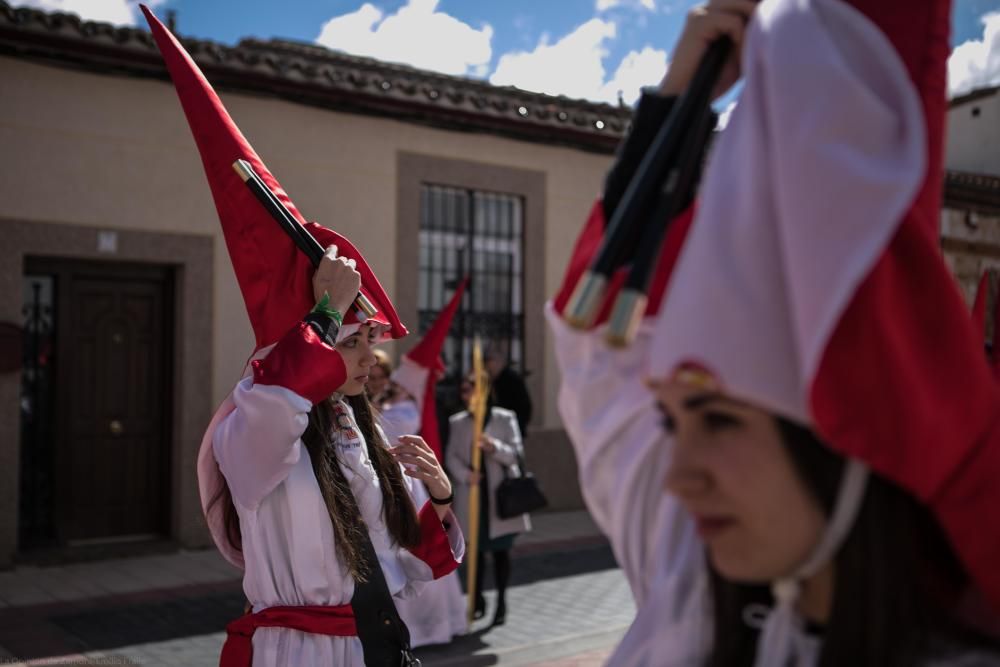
(969, 250)
(189, 257)
(108, 151)
(974, 141)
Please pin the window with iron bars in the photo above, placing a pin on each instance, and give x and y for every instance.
(479, 234)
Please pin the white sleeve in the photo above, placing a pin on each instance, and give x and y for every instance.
(257, 444)
(400, 419)
(623, 457)
(508, 445)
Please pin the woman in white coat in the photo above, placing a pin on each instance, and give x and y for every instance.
(502, 449)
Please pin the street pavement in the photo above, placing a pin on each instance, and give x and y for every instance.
(568, 605)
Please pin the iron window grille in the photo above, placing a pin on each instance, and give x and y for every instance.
(479, 234)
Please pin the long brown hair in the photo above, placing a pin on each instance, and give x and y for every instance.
(397, 508)
(898, 581)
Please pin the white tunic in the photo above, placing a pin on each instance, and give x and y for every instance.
(437, 613)
(623, 454)
(851, 156)
(288, 541)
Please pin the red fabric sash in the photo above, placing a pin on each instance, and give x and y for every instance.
(238, 649)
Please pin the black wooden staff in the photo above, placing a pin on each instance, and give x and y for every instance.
(627, 225)
(288, 222)
(630, 303)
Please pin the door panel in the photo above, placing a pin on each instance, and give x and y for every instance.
(111, 449)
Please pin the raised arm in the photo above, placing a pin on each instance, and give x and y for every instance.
(260, 440)
(623, 455)
(609, 413)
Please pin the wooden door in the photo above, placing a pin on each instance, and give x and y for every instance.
(112, 463)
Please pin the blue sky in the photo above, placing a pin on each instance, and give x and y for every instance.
(596, 49)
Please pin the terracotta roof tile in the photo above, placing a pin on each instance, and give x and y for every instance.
(973, 95)
(319, 76)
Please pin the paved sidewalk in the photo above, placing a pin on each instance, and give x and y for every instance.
(594, 658)
(33, 585)
(568, 601)
(560, 606)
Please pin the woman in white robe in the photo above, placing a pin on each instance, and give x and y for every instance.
(437, 614)
(282, 475)
(697, 445)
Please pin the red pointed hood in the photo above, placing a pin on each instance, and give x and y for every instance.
(979, 304)
(427, 352)
(979, 318)
(996, 335)
(420, 367)
(274, 276)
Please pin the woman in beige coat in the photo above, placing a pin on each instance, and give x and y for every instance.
(501, 447)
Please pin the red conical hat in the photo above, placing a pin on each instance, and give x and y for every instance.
(979, 320)
(421, 382)
(979, 303)
(996, 333)
(427, 352)
(274, 276)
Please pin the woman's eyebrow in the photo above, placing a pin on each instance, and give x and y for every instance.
(701, 400)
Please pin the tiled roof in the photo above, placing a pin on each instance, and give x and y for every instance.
(315, 75)
(972, 191)
(973, 95)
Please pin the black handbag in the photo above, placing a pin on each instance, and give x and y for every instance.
(519, 495)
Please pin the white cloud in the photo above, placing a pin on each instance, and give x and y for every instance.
(976, 63)
(417, 35)
(605, 5)
(573, 66)
(118, 12)
(724, 116)
(637, 69)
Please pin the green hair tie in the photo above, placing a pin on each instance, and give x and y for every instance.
(323, 308)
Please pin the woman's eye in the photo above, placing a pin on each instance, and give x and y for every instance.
(668, 424)
(350, 343)
(719, 421)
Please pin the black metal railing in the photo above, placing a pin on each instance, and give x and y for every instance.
(480, 234)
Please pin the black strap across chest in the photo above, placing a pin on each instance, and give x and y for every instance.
(384, 636)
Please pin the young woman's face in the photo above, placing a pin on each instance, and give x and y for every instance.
(378, 380)
(731, 472)
(465, 391)
(357, 351)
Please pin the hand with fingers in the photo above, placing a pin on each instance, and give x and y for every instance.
(419, 462)
(706, 23)
(338, 277)
(487, 443)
